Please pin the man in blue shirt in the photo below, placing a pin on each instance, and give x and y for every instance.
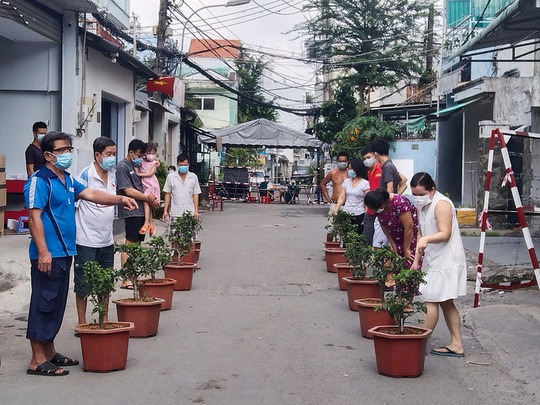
(50, 197)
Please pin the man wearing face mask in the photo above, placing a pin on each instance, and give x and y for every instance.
(33, 155)
(94, 239)
(337, 177)
(181, 191)
(372, 229)
(129, 183)
(50, 196)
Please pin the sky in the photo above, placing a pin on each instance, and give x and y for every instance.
(261, 25)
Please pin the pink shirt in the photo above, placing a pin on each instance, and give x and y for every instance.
(150, 184)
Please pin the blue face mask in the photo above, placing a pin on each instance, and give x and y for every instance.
(108, 163)
(63, 161)
(352, 173)
(137, 161)
(40, 137)
(183, 169)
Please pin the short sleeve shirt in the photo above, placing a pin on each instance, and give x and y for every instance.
(95, 221)
(33, 156)
(45, 191)
(127, 178)
(182, 192)
(354, 202)
(389, 174)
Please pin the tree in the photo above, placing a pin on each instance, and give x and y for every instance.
(360, 132)
(372, 43)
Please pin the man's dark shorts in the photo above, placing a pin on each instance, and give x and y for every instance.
(48, 300)
(133, 224)
(104, 256)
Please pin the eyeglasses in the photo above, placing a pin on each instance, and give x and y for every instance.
(64, 149)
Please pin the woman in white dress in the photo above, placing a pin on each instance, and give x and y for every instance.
(444, 261)
(354, 189)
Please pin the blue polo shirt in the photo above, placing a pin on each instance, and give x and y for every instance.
(46, 192)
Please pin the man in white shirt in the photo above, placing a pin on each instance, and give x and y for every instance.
(181, 191)
(94, 222)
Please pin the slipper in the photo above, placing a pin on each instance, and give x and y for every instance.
(127, 287)
(145, 228)
(63, 361)
(47, 369)
(152, 230)
(446, 352)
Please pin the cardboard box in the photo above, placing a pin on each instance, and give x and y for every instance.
(2, 177)
(3, 199)
(2, 161)
(2, 222)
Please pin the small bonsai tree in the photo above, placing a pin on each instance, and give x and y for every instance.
(136, 265)
(359, 254)
(102, 284)
(183, 231)
(342, 224)
(400, 303)
(385, 263)
(159, 254)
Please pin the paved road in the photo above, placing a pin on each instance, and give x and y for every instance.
(266, 324)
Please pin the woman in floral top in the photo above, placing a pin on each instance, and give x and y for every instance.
(398, 218)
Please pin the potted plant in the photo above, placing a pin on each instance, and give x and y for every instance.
(384, 262)
(400, 350)
(159, 254)
(359, 255)
(182, 234)
(342, 224)
(104, 345)
(142, 311)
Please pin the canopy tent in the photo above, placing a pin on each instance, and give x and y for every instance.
(261, 132)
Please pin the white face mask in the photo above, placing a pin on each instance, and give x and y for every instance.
(422, 200)
(342, 165)
(370, 162)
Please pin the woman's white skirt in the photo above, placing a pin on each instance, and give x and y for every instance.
(444, 284)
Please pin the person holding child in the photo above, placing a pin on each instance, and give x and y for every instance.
(147, 172)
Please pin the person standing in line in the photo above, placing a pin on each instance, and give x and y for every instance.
(336, 177)
(391, 180)
(147, 172)
(95, 241)
(128, 183)
(181, 191)
(444, 261)
(50, 195)
(33, 154)
(353, 192)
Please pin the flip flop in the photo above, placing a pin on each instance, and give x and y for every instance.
(447, 352)
(63, 361)
(127, 287)
(47, 369)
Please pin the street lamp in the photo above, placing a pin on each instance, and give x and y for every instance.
(230, 3)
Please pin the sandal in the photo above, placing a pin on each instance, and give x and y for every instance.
(47, 369)
(152, 230)
(145, 228)
(63, 361)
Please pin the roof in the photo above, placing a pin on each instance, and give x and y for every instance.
(214, 48)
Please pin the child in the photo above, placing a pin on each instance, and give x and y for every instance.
(147, 173)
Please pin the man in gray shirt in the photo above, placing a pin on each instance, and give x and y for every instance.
(390, 177)
(128, 183)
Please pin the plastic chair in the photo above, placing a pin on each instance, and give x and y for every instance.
(215, 200)
(20, 225)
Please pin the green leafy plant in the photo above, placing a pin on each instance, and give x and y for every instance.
(183, 231)
(136, 265)
(102, 284)
(400, 303)
(385, 262)
(342, 225)
(159, 254)
(359, 254)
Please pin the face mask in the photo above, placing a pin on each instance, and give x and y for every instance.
(63, 161)
(108, 163)
(370, 162)
(171, 171)
(183, 169)
(352, 174)
(422, 200)
(342, 165)
(137, 161)
(150, 158)
(40, 137)
(380, 210)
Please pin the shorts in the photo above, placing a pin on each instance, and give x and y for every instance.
(103, 255)
(48, 299)
(132, 226)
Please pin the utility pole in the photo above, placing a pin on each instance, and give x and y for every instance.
(163, 25)
(429, 38)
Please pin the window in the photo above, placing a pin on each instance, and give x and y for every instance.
(204, 103)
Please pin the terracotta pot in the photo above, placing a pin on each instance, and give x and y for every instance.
(182, 273)
(197, 244)
(369, 318)
(400, 355)
(333, 256)
(331, 244)
(144, 314)
(104, 350)
(358, 289)
(191, 257)
(160, 288)
(343, 270)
